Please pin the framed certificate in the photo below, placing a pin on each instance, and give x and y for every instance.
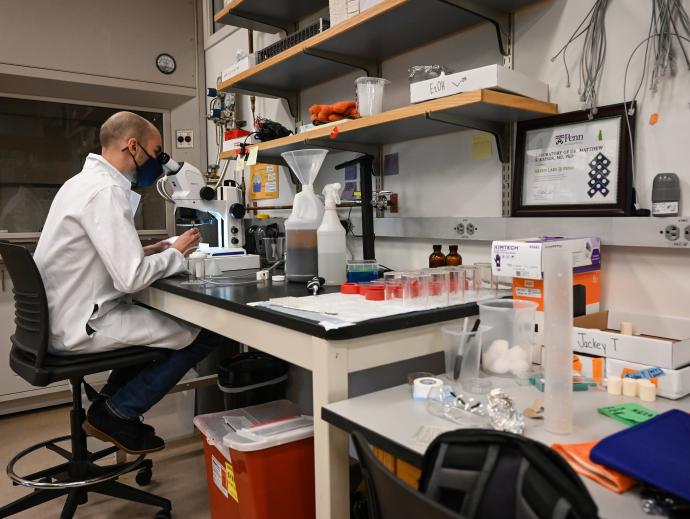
(571, 165)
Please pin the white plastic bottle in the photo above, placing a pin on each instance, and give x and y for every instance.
(330, 238)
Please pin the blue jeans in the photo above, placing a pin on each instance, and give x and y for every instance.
(132, 391)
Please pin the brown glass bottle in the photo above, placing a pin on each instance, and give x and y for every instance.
(437, 258)
(453, 259)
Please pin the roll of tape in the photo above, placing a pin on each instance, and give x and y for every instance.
(629, 387)
(646, 390)
(615, 385)
(422, 386)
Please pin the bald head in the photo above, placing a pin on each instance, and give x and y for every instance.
(128, 140)
(122, 126)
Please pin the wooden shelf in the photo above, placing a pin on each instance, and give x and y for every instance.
(485, 110)
(364, 41)
(268, 15)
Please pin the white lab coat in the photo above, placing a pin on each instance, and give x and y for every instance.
(90, 259)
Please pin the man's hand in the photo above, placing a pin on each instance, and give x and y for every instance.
(188, 241)
(155, 248)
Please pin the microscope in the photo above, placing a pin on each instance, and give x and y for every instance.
(185, 186)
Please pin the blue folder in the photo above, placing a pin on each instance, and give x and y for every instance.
(656, 451)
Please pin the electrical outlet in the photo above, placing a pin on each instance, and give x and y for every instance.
(672, 232)
(460, 228)
(687, 233)
(471, 228)
(184, 139)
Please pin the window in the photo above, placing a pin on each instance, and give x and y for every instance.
(42, 144)
(217, 7)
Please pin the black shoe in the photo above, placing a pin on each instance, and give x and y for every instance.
(101, 399)
(128, 435)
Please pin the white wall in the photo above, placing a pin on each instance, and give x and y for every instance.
(438, 176)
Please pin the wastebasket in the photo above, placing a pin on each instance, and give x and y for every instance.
(259, 462)
(252, 378)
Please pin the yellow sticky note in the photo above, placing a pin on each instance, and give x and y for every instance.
(482, 146)
(232, 486)
(253, 154)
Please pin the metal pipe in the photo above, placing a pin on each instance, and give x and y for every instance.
(344, 205)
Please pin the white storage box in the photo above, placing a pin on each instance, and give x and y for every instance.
(523, 258)
(237, 67)
(674, 384)
(495, 77)
(598, 334)
(341, 10)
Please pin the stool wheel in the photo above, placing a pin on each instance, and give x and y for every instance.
(144, 476)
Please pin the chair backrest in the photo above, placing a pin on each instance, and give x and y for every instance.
(30, 304)
(485, 474)
(389, 497)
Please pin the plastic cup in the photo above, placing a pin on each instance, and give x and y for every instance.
(463, 355)
(275, 248)
(370, 95)
(507, 349)
(196, 268)
(415, 289)
(488, 284)
(394, 286)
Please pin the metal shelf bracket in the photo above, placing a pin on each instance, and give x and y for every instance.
(500, 131)
(284, 25)
(499, 19)
(290, 96)
(369, 67)
(372, 150)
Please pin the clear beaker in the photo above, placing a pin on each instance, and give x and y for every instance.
(196, 268)
(393, 286)
(488, 283)
(415, 289)
(508, 344)
(439, 287)
(471, 283)
(370, 95)
(275, 248)
(463, 356)
(456, 286)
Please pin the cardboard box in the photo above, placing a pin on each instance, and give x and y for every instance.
(598, 334)
(239, 66)
(586, 291)
(495, 77)
(674, 384)
(523, 258)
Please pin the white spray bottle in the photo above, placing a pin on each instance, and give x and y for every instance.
(331, 239)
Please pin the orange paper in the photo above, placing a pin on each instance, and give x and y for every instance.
(577, 455)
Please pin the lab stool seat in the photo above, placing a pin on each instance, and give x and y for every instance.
(79, 474)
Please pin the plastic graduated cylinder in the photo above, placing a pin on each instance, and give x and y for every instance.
(558, 333)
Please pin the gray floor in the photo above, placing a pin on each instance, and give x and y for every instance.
(179, 471)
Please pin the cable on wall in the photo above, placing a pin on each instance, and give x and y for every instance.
(591, 64)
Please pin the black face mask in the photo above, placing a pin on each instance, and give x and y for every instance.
(148, 172)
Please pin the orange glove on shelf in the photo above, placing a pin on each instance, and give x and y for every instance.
(321, 114)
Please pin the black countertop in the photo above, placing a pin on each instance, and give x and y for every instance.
(236, 299)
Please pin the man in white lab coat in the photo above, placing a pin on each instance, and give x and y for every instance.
(91, 259)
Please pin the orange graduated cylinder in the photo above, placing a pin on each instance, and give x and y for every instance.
(269, 483)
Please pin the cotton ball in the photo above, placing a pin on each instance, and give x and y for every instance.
(497, 349)
(517, 354)
(501, 365)
(519, 367)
